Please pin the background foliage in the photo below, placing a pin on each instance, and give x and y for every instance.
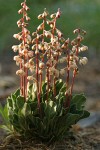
(75, 13)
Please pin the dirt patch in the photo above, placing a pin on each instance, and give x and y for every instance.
(83, 139)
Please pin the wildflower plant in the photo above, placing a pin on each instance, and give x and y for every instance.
(44, 107)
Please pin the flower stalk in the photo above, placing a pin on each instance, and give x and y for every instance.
(46, 55)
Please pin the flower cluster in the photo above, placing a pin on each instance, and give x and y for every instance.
(45, 51)
(23, 49)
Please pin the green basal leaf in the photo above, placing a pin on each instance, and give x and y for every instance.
(59, 85)
(44, 87)
(50, 109)
(26, 110)
(4, 113)
(22, 122)
(85, 114)
(20, 102)
(71, 119)
(78, 100)
(9, 102)
(8, 129)
(17, 93)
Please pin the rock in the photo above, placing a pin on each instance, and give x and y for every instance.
(94, 117)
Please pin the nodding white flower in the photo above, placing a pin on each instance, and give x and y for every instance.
(40, 16)
(46, 46)
(83, 61)
(47, 33)
(28, 39)
(34, 34)
(83, 32)
(76, 57)
(27, 46)
(62, 72)
(16, 58)
(17, 63)
(56, 73)
(22, 4)
(20, 11)
(63, 46)
(41, 65)
(48, 63)
(30, 78)
(55, 39)
(53, 16)
(26, 31)
(27, 65)
(72, 65)
(37, 52)
(30, 53)
(16, 36)
(26, 7)
(45, 14)
(20, 46)
(62, 60)
(20, 72)
(41, 46)
(34, 47)
(19, 22)
(74, 48)
(76, 31)
(32, 69)
(40, 72)
(67, 41)
(83, 48)
(55, 53)
(58, 14)
(80, 38)
(28, 18)
(15, 48)
(40, 27)
(60, 34)
(31, 62)
(51, 70)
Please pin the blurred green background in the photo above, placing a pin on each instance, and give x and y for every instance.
(83, 14)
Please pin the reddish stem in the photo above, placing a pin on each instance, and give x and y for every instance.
(75, 71)
(37, 74)
(54, 78)
(21, 81)
(40, 89)
(67, 83)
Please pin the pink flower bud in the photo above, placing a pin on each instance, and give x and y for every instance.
(58, 14)
(20, 11)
